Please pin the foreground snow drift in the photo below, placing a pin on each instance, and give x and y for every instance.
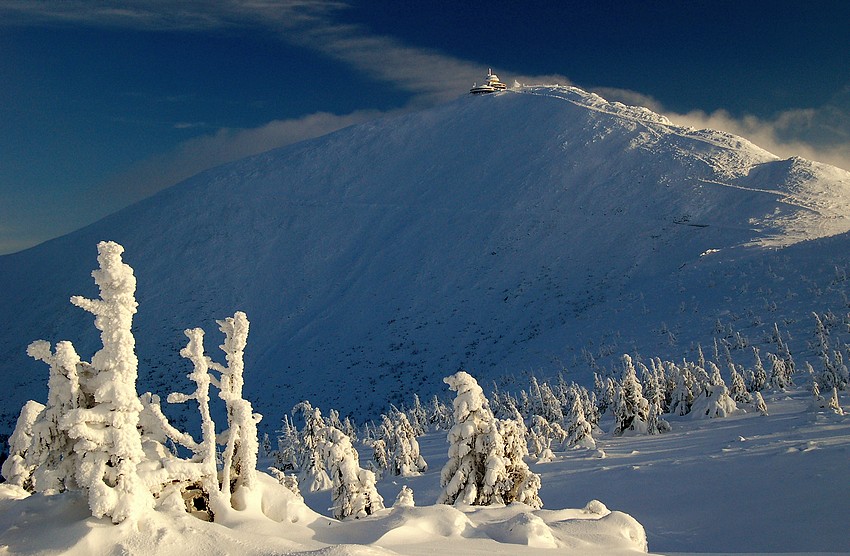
(62, 523)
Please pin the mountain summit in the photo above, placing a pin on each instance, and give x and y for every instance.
(517, 231)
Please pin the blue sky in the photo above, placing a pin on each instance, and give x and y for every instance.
(104, 103)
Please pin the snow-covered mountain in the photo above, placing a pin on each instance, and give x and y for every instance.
(516, 232)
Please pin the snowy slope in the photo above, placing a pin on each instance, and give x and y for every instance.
(744, 484)
(506, 233)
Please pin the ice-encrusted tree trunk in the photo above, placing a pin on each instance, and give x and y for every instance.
(106, 439)
(241, 448)
(202, 468)
(476, 472)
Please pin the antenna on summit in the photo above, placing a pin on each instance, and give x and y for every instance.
(492, 84)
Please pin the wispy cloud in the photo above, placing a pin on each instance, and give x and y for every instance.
(225, 145)
(166, 15)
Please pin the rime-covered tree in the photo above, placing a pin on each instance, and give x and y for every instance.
(834, 373)
(524, 484)
(439, 414)
(780, 377)
(18, 467)
(202, 471)
(104, 433)
(758, 401)
(312, 476)
(682, 396)
(405, 459)
(713, 401)
(579, 430)
(97, 435)
(51, 455)
(241, 447)
(631, 409)
(353, 491)
(418, 416)
(286, 455)
(476, 471)
(833, 403)
(380, 457)
(738, 388)
(782, 350)
(759, 377)
(550, 406)
(404, 498)
(540, 437)
(655, 398)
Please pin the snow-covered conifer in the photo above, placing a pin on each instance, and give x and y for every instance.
(631, 409)
(779, 378)
(713, 401)
(758, 400)
(333, 420)
(550, 405)
(579, 430)
(52, 453)
(738, 388)
(782, 351)
(353, 489)
(655, 398)
(368, 500)
(439, 415)
(404, 498)
(17, 469)
(682, 396)
(714, 377)
(105, 435)
(418, 417)
(833, 403)
(288, 480)
(701, 378)
(313, 477)
(601, 391)
(525, 484)
(380, 457)
(759, 376)
(286, 455)
(476, 471)
(349, 429)
(405, 459)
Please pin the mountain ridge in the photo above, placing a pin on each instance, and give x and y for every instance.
(497, 233)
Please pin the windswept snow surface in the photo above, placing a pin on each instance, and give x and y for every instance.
(61, 524)
(501, 233)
